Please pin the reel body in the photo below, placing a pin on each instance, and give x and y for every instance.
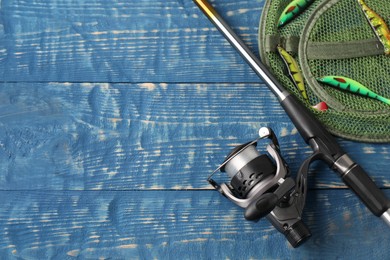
(261, 184)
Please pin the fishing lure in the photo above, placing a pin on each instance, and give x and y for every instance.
(378, 25)
(297, 78)
(292, 10)
(293, 71)
(352, 86)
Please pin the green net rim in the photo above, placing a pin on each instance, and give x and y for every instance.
(338, 113)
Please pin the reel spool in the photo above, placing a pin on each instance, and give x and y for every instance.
(260, 184)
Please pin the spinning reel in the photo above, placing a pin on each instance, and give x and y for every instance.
(264, 188)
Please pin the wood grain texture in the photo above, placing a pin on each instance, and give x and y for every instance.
(169, 224)
(113, 114)
(144, 136)
(122, 41)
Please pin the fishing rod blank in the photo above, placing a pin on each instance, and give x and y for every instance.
(313, 132)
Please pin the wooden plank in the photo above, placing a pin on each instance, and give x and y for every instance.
(105, 170)
(147, 225)
(144, 136)
(122, 41)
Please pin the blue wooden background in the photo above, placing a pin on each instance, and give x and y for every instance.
(113, 114)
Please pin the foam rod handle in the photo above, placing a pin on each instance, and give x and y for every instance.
(358, 180)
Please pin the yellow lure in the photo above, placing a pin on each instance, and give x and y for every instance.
(294, 72)
(378, 25)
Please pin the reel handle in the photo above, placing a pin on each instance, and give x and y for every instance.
(268, 201)
(261, 207)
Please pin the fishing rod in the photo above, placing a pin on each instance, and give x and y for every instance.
(323, 144)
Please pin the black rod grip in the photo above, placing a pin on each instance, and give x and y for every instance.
(356, 178)
(364, 187)
(308, 126)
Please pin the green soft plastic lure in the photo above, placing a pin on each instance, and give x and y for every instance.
(352, 86)
(293, 71)
(292, 10)
(378, 25)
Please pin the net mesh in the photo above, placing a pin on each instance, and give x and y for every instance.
(349, 115)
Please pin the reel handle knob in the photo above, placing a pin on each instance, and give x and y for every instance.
(261, 207)
(268, 201)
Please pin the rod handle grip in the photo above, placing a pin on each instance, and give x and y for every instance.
(365, 188)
